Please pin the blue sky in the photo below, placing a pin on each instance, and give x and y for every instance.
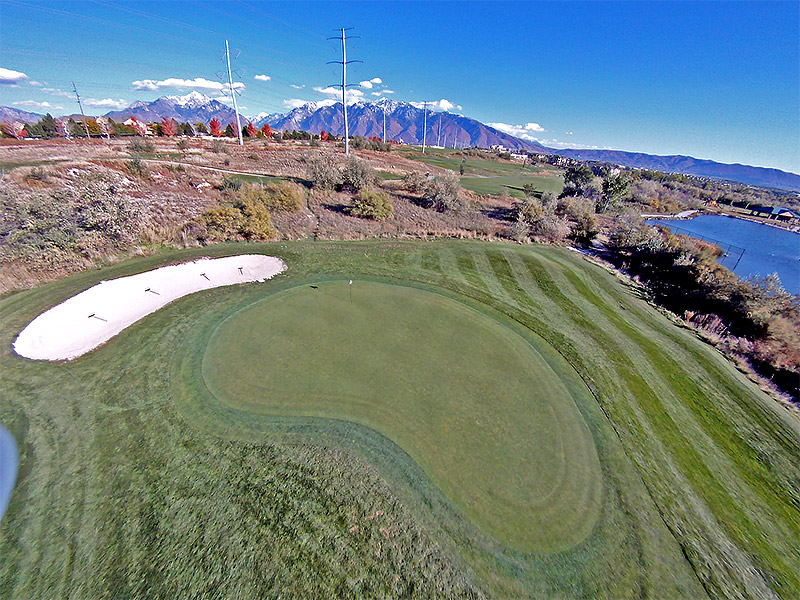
(712, 80)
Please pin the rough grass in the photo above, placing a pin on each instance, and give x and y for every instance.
(132, 485)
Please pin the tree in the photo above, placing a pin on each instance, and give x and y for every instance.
(323, 135)
(168, 127)
(266, 130)
(614, 187)
(251, 130)
(216, 127)
(139, 127)
(576, 178)
(16, 129)
(230, 131)
(200, 127)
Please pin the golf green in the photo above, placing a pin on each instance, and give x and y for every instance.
(481, 406)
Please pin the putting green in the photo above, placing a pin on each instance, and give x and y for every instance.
(486, 412)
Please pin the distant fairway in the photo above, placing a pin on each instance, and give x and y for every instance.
(468, 398)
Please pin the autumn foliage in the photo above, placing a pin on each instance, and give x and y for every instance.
(216, 127)
(168, 126)
(266, 130)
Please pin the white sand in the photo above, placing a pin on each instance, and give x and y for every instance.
(94, 316)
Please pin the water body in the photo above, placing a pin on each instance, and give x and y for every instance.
(8, 468)
(767, 249)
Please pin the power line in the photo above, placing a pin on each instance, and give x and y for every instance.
(344, 62)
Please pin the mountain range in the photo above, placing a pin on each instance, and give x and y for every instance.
(409, 123)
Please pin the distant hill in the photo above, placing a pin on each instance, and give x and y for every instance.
(690, 166)
(192, 108)
(9, 115)
(404, 122)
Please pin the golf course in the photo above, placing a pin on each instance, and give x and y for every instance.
(399, 419)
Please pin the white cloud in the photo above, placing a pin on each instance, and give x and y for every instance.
(198, 83)
(35, 104)
(353, 95)
(387, 92)
(376, 94)
(9, 77)
(370, 83)
(297, 87)
(293, 103)
(376, 80)
(367, 85)
(57, 92)
(524, 132)
(35, 83)
(262, 77)
(106, 103)
(570, 132)
(438, 105)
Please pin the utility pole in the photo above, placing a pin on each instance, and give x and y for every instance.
(233, 94)
(439, 132)
(78, 96)
(384, 120)
(424, 124)
(344, 62)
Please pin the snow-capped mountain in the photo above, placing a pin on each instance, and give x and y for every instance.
(404, 122)
(191, 108)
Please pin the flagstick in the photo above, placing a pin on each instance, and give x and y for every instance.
(351, 291)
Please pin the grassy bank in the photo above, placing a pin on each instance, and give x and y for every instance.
(135, 483)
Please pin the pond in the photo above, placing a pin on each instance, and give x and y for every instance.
(750, 248)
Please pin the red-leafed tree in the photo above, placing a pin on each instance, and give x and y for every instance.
(216, 127)
(139, 127)
(16, 129)
(266, 130)
(251, 130)
(323, 135)
(168, 127)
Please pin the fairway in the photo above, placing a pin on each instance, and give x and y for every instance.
(470, 399)
(484, 420)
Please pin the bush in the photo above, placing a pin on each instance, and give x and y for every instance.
(444, 193)
(37, 174)
(325, 173)
(256, 223)
(230, 184)
(357, 174)
(284, 197)
(140, 146)
(182, 144)
(415, 182)
(136, 167)
(218, 146)
(222, 221)
(372, 204)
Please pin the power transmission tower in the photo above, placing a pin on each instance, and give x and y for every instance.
(80, 105)
(344, 62)
(233, 94)
(424, 124)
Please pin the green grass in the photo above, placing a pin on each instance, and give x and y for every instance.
(137, 481)
(513, 184)
(486, 176)
(472, 401)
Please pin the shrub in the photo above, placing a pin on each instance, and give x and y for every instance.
(218, 146)
(37, 174)
(370, 203)
(182, 144)
(444, 193)
(136, 167)
(256, 223)
(222, 221)
(284, 197)
(254, 156)
(230, 184)
(357, 174)
(324, 173)
(140, 146)
(415, 182)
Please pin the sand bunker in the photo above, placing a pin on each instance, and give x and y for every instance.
(94, 316)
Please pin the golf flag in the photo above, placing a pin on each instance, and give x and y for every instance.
(351, 282)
